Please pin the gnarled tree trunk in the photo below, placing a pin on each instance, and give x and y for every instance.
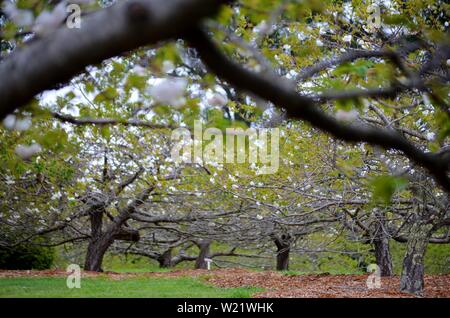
(204, 247)
(383, 256)
(97, 244)
(283, 244)
(382, 250)
(101, 240)
(165, 259)
(95, 253)
(411, 280)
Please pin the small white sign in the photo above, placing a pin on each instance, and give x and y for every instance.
(208, 263)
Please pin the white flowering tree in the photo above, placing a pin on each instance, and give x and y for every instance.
(370, 73)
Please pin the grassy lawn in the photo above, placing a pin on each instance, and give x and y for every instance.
(181, 287)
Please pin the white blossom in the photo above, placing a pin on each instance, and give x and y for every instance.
(22, 124)
(48, 21)
(168, 66)
(21, 18)
(263, 28)
(169, 91)
(26, 152)
(56, 196)
(362, 43)
(179, 103)
(347, 38)
(139, 70)
(172, 189)
(9, 122)
(319, 42)
(347, 116)
(291, 74)
(9, 180)
(12, 122)
(430, 136)
(302, 36)
(217, 100)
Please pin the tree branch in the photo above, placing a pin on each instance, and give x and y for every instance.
(107, 121)
(282, 94)
(109, 32)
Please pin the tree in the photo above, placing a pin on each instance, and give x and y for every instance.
(320, 62)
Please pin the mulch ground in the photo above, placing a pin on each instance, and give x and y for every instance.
(277, 284)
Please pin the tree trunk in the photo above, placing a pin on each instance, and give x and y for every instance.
(101, 240)
(381, 245)
(383, 256)
(283, 259)
(200, 262)
(411, 280)
(283, 248)
(95, 253)
(165, 260)
(98, 243)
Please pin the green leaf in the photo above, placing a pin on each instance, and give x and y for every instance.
(135, 81)
(384, 187)
(105, 132)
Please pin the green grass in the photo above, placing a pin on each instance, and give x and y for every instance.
(136, 287)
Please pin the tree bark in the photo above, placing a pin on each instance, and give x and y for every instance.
(121, 27)
(93, 261)
(165, 259)
(95, 253)
(204, 247)
(411, 280)
(127, 234)
(98, 243)
(283, 249)
(383, 256)
(382, 250)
